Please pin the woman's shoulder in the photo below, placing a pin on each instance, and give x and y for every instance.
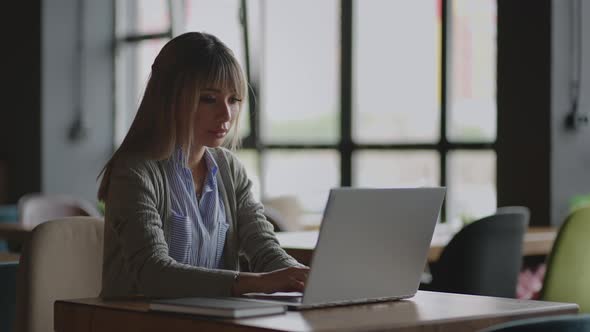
(140, 166)
(224, 155)
(131, 172)
(227, 159)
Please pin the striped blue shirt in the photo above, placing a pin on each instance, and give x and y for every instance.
(198, 225)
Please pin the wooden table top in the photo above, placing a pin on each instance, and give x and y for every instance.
(9, 257)
(537, 241)
(16, 232)
(427, 311)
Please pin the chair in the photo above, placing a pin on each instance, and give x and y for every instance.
(62, 260)
(284, 213)
(513, 209)
(568, 268)
(561, 323)
(7, 294)
(483, 258)
(34, 209)
(275, 218)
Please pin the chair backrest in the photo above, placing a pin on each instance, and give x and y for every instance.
(514, 209)
(275, 218)
(483, 258)
(34, 209)
(568, 269)
(62, 260)
(561, 323)
(284, 212)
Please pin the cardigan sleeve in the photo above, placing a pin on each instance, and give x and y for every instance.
(256, 234)
(132, 215)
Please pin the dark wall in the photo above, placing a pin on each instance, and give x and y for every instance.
(524, 106)
(71, 166)
(541, 163)
(21, 98)
(570, 149)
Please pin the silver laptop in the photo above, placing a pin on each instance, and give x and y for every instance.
(372, 246)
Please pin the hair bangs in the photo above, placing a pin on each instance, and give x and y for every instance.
(224, 73)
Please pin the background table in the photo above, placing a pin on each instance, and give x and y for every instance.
(15, 232)
(300, 245)
(9, 257)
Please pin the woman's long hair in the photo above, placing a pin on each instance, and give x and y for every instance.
(184, 66)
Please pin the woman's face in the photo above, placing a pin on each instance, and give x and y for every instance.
(215, 112)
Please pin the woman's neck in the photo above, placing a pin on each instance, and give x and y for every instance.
(196, 157)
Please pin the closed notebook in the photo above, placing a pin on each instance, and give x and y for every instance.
(218, 307)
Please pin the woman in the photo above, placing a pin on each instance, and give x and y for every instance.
(179, 209)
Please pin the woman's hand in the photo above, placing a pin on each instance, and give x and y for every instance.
(291, 279)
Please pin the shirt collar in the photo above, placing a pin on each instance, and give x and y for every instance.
(210, 162)
(180, 159)
(210, 183)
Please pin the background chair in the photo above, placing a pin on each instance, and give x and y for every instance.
(7, 295)
(275, 218)
(483, 258)
(62, 260)
(513, 209)
(284, 212)
(568, 269)
(34, 209)
(561, 323)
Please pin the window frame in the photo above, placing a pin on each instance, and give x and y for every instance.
(345, 147)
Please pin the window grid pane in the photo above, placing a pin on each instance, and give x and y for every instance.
(307, 175)
(153, 16)
(382, 169)
(471, 190)
(396, 71)
(300, 73)
(141, 17)
(471, 112)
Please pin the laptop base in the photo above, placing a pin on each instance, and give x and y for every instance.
(296, 303)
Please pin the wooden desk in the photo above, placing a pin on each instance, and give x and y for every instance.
(15, 232)
(9, 257)
(427, 311)
(300, 245)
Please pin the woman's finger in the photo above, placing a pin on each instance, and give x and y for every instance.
(296, 285)
(301, 276)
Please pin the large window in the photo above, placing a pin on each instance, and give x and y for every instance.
(370, 93)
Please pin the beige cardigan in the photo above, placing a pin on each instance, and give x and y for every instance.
(136, 260)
